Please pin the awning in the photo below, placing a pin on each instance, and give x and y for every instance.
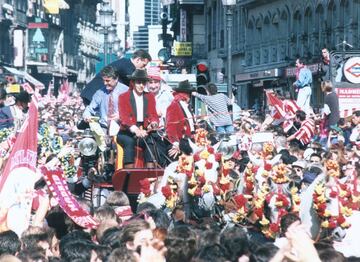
(26, 76)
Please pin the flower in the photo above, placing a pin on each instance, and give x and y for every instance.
(204, 154)
(145, 187)
(166, 191)
(279, 174)
(240, 200)
(208, 165)
(201, 137)
(210, 150)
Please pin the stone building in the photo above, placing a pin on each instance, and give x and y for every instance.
(50, 40)
(268, 36)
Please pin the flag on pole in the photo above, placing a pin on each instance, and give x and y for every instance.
(274, 101)
(19, 175)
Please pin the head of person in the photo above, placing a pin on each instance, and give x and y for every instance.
(326, 86)
(300, 115)
(315, 158)
(298, 167)
(183, 91)
(300, 63)
(9, 243)
(110, 77)
(154, 84)
(135, 233)
(117, 199)
(211, 89)
(2, 95)
(286, 221)
(138, 81)
(356, 117)
(325, 53)
(22, 100)
(140, 58)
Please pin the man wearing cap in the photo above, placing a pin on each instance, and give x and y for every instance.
(138, 117)
(179, 119)
(162, 92)
(105, 100)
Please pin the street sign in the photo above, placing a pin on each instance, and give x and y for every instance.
(352, 70)
(182, 49)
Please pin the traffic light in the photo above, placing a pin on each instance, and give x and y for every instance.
(202, 77)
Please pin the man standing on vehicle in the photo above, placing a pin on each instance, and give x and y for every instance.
(105, 101)
(123, 67)
(303, 85)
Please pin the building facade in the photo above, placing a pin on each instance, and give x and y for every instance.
(151, 15)
(50, 40)
(268, 36)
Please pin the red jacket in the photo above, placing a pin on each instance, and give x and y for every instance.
(177, 125)
(127, 109)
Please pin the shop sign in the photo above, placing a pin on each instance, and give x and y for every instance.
(258, 75)
(291, 71)
(182, 49)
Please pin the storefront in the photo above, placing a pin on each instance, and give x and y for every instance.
(251, 86)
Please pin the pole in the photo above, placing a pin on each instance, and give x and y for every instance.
(110, 52)
(229, 65)
(105, 46)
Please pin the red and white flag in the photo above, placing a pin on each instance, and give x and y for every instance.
(19, 175)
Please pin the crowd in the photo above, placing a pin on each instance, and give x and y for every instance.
(276, 187)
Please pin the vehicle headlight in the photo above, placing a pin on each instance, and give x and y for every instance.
(87, 146)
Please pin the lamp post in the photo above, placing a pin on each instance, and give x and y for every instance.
(116, 46)
(105, 21)
(111, 39)
(229, 4)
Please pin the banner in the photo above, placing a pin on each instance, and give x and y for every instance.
(19, 175)
(61, 192)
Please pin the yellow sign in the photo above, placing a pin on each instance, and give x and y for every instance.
(182, 49)
(52, 6)
(13, 88)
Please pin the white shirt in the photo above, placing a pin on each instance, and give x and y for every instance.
(163, 100)
(139, 101)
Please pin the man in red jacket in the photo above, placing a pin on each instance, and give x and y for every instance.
(138, 118)
(179, 119)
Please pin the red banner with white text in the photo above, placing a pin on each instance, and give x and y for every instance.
(60, 191)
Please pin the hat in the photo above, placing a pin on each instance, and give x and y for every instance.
(299, 163)
(184, 87)
(154, 73)
(139, 74)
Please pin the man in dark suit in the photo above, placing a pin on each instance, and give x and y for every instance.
(123, 67)
(138, 118)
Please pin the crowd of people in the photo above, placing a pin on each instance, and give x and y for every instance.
(276, 187)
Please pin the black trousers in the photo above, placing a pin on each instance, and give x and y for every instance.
(155, 148)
